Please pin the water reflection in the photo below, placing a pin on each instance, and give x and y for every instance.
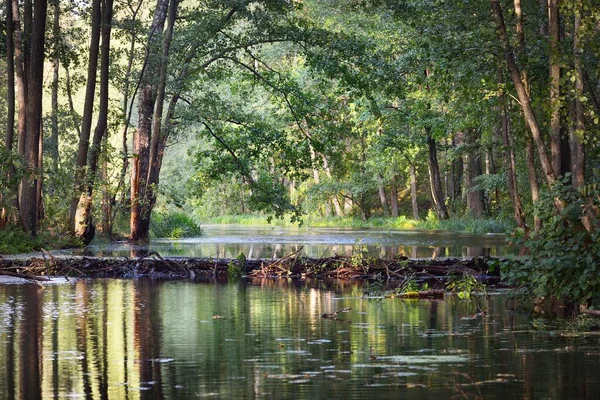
(228, 241)
(130, 339)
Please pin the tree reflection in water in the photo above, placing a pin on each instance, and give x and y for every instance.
(126, 339)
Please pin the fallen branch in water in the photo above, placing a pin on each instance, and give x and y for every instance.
(435, 293)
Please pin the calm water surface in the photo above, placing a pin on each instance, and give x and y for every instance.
(130, 339)
(228, 241)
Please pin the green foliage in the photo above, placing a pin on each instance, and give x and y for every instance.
(465, 285)
(234, 270)
(173, 225)
(409, 284)
(14, 241)
(564, 259)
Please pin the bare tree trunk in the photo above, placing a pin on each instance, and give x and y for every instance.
(413, 191)
(53, 150)
(577, 137)
(339, 211)
(382, 199)
(10, 79)
(511, 174)
(555, 101)
(139, 222)
(394, 197)
(21, 77)
(435, 182)
(86, 125)
(28, 202)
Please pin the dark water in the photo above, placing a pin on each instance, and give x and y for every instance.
(228, 241)
(130, 339)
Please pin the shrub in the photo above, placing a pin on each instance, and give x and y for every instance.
(564, 260)
(174, 225)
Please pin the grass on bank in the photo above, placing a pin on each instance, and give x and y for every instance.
(13, 240)
(472, 225)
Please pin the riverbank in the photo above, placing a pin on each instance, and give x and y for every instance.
(471, 225)
(434, 271)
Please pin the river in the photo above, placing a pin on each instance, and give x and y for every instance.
(229, 241)
(132, 339)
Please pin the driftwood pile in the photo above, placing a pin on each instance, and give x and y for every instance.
(292, 266)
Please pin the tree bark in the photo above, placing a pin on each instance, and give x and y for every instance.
(394, 197)
(53, 150)
(84, 224)
(10, 79)
(535, 190)
(382, 199)
(19, 52)
(413, 191)
(435, 181)
(88, 110)
(139, 221)
(28, 201)
(511, 173)
(555, 102)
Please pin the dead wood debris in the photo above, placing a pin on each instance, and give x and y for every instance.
(293, 266)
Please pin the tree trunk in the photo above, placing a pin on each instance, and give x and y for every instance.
(88, 110)
(511, 173)
(11, 106)
(394, 197)
(339, 211)
(10, 79)
(19, 52)
(53, 150)
(535, 190)
(382, 199)
(555, 101)
(28, 201)
(413, 191)
(435, 182)
(140, 206)
(577, 137)
(522, 94)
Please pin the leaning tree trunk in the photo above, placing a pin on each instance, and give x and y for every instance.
(140, 204)
(435, 181)
(84, 223)
(520, 83)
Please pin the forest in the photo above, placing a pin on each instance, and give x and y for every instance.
(120, 114)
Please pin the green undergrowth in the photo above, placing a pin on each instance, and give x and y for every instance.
(472, 225)
(173, 225)
(13, 240)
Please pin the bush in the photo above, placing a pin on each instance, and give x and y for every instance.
(173, 225)
(564, 260)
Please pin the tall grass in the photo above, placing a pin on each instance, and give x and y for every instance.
(173, 225)
(484, 225)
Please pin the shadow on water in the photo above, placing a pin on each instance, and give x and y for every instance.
(128, 339)
(228, 241)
